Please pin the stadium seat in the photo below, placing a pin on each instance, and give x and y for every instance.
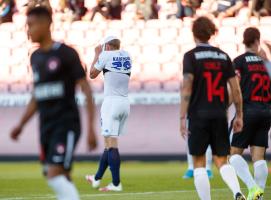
(5, 38)
(137, 71)
(18, 88)
(185, 36)
(265, 21)
(150, 53)
(59, 35)
(174, 23)
(80, 26)
(169, 53)
(131, 36)
(135, 86)
(226, 35)
(9, 27)
(19, 21)
(90, 4)
(230, 49)
(134, 50)
(19, 38)
(76, 37)
(152, 86)
(168, 35)
(187, 22)
(231, 21)
(265, 32)
(254, 21)
(115, 32)
(19, 73)
(94, 37)
(171, 71)
(3, 87)
(151, 72)
(171, 86)
(19, 55)
(4, 73)
(150, 36)
(5, 53)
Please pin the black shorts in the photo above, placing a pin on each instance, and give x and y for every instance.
(205, 132)
(254, 133)
(57, 147)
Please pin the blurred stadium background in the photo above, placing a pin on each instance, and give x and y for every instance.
(157, 47)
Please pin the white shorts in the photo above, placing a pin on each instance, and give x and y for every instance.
(114, 113)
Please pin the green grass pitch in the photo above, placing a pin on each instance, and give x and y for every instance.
(141, 181)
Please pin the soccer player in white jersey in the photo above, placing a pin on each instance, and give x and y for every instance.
(116, 67)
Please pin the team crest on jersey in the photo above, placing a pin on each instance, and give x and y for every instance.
(60, 148)
(53, 64)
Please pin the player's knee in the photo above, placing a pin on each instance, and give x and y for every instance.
(235, 150)
(55, 170)
(258, 155)
(199, 161)
(220, 161)
(111, 142)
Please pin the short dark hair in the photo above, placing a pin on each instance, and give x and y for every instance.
(203, 28)
(115, 44)
(250, 35)
(40, 11)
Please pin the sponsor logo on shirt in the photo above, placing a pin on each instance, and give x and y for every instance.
(53, 64)
(47, 91)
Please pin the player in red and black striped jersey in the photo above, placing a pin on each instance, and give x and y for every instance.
(204, 102)
(256, 90)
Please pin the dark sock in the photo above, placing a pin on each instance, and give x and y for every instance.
(102, 165)
(114, 164)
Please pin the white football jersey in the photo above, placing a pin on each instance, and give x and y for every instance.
(116, 66)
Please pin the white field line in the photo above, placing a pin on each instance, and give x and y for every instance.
(49, 196)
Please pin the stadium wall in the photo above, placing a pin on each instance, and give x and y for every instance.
(152, 133)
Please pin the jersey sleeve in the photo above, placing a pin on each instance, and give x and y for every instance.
(188, 67)
(76, 68)
(230, 69)
(100, 64)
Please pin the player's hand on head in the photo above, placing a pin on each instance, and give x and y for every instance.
(237, 125)
(92, 141)
(98, 49)
(15, 133)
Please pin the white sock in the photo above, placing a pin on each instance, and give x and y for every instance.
(209, 158)
(63, 188)
(189, 160)
(260, 173)
(230, 178)
(242, 170)
(202, 183)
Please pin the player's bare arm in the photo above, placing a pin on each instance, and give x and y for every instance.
(29, 112)
(186, 91)
(230, 95)
(93, 71)
(92, 142)
(238, 102)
